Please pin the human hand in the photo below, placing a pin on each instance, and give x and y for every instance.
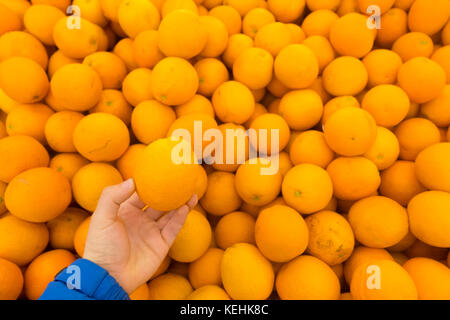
(127, 241)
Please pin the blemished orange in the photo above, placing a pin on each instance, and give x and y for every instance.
(233, 102)
(113, 101)
(296, 66)
(62, 228)
(353, 178)
(387, 279)
(174, 81)
(369, 217)
(68, 164)
(101, 137)
(258, 182)
(235, 227)
(151, 120)
(310, 147)
(246, 273)
(382, 66)
(427, 217)
(255, 19)
(137, 86)
(206, 270)
(28, 120)
(385, 150)
(395, 24)
(208, 292)
(331, 237)
(11, 278)
(127, 162)
(23, 80)
(211, 74)
(435, 109)
(39, 27)
(221, 196)
(412, 45)
(237, 43)
(26, 242)
(198, 104)
(254, 68)
(80, 236)
(181, 34)
(20, 153)
(217, 36)
(350, 35)
(432, 279)
(164, 179)
(302, 109)
(43, 269)
(307, 278)
(89, 182)
(307, 188)
(319, 22)
(350, 131)
(338, 103)
(432, 167)
(345, 76)
(428, 16)
(38, 195)
(281, 233)
(273, 37)
(111, 69)
(169, 286)
(271, 134)
(193, 240)
(59, 130)
(229, 16)
(425, 87)
(415, 135)
(76, 87)
(137, 16)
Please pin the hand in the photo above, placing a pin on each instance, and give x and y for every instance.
(127, 241)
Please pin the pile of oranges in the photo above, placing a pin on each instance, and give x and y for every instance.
(358, 91)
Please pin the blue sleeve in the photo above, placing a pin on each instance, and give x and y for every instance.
(84, 280)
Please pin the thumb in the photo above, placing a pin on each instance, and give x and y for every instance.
(109, 203)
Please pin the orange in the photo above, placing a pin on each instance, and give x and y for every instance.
(24, 244)
(137, 86)
(428, 17)
(40, 20)
(242, 6)
(432, 167)
(421, 249)
(80, 236)
(382, 67)
(255, 19)
(235, 227)
(165, 174)
(10, 20)
(414, 135)
(273, 37)
(319, 22)
(141, 293)
(353, 178)
(62, 228)
(151, 120)
(58, 60)
(271, 134)
(169, 286)
(235, 148)
(254, 68)
(385, 150)
(206, 269)
(331, 237)
(296, 66)
(302, 109)
(307, 188)
(322, 48)
(20, 153)
(441, 56)
(137, 16)
(124, 49)
(11, 281)
(338, 103)
(345, 76)
(369, 217)
(286, 10)
(24, 45)
(60, 4)
(436, 111)
(111, 69)
(113, 101)
(297, 33)
(171, 5)
(89, 182)
(3, 186)
(59, 130)
(198, 104)
(431, 278)
(315, 5)
(237, 43)
(127, 162)
(393, 281)
(394, 24)
(246, 273)
(307, 278)
(68, 164)
(229, 16)
(281, 233)
(174, 81)
(425, 87)
(193, 239)
(310, 147)
(23, 80)
(70, 81)
(233, 102)
(145, 49)
(350, 35)
(217, 36)
(384, 5)
(211, 74)
(208, 292)
(92, 11)
(412, 45)
(29, 120)
(43, 269)
(181, 34)
(350, 131)
(256, 181)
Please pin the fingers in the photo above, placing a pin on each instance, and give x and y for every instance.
(193, 201)
(153, 214)
(176, 220)
(111, 199)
